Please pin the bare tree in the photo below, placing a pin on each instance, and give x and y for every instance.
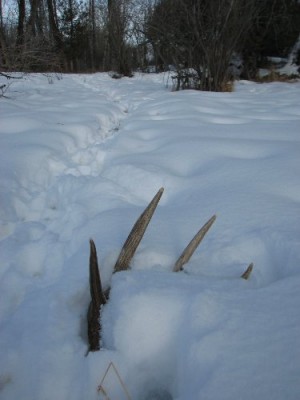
(53, 24)
(21, 22)
(92, 32)
(200, 35)
(3, 46)
(118, 57)
(33, 17)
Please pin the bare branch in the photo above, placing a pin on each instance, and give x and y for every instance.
(192, 246)
(136, 234)
(248, 271)
(10, 76)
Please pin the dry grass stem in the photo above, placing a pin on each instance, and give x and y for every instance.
(101, 388)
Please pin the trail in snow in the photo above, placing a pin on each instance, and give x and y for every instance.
(82, 158)
(53, 186)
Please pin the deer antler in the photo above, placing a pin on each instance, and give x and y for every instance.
(97, 293)
(98, 299)
(192, 246)
(248, 271)
(136, 234)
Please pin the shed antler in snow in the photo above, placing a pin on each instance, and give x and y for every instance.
(97, 300)
(192, 246)
(99, 297)
(136, 234)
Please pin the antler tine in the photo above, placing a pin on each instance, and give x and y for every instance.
(192, 246)
(136, 234)
(248, 271)
(97, 293)
(97, 299)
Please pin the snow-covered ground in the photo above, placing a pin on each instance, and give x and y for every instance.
(81, 158)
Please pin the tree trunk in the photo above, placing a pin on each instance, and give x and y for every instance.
(32, 21)
(1, 17)
(117, 48)
(21, 20)
(54, 31)
(4, 59)
(92, 38)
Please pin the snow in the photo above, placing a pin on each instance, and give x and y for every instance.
(81, 158)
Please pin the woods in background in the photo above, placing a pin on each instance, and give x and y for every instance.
(125, 35)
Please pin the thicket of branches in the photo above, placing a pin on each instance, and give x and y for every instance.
(122, 35)
(202, 36)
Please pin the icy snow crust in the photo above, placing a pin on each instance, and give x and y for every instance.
(81, 158)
